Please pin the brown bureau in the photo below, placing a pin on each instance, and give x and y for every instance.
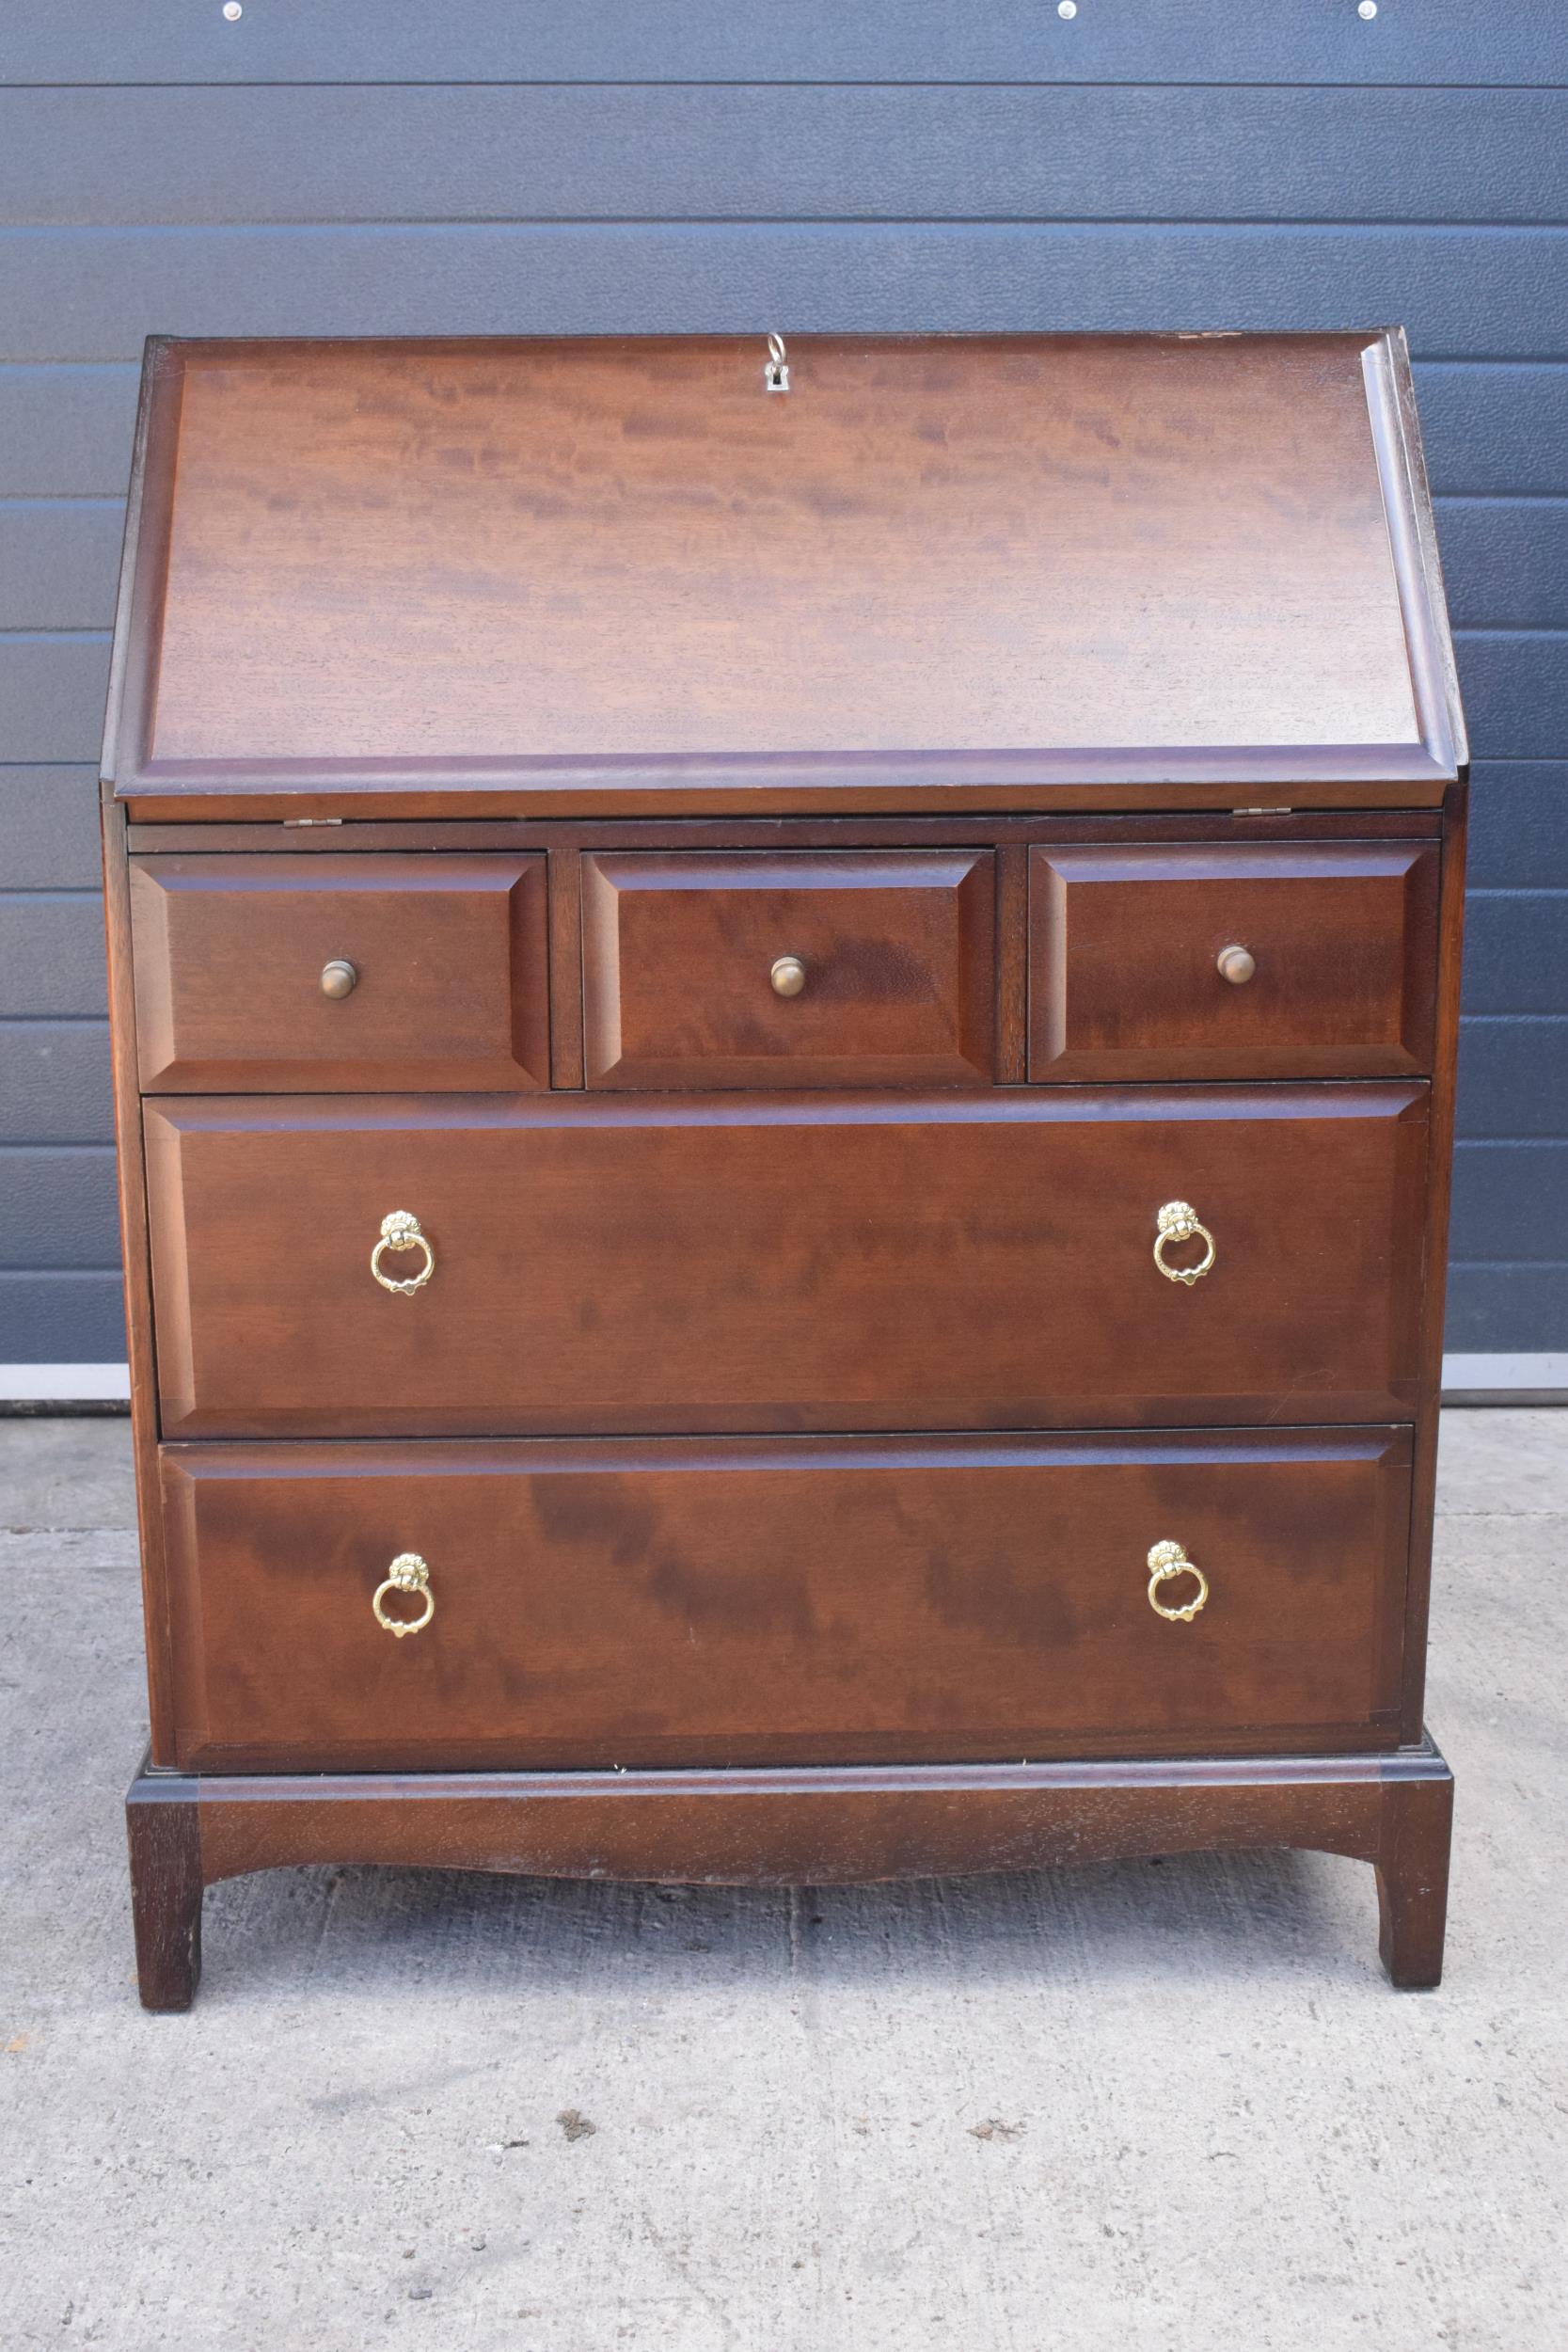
(785, 1065)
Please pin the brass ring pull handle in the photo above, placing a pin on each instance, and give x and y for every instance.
(1175, 1222)
(402, 1231)
(407, 1574)
(1167, 1560)
(788, 976)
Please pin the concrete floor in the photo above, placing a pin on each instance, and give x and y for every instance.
(1156, 2107)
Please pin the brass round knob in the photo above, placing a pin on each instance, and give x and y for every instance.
(788, 977)
(1236, 964)
(338, 977)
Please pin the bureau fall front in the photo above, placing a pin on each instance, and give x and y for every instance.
(784, 1062)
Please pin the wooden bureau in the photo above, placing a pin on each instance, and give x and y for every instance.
(784, 1062)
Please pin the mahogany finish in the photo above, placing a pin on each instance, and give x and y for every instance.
(897, 953)
(780, 1828)
(167, 1876)
(331, 837)
(789, 1600)
(449, 956)
(788, 1397)
(674, 1262)
(1125, 949)
(984, 564)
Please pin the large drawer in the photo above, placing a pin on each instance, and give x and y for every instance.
(339, 971)
(660, 1262)
(784, 1599)
(848, 968)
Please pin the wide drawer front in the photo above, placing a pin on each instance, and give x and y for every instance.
(1232, 961)
(792, 970)
(651, 1263)
(339, 971)
(787, 1600)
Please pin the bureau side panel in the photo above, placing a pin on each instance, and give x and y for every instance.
(138, 1278)
(1434, 1265)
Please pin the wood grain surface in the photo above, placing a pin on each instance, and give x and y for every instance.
(943, 561)
(796, 1827)
(451, 992)
(791, 1599)
(1124, 946)
(642, 1263)
(900, 979)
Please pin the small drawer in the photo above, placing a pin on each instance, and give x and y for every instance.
(1278, 960)
(791, 971)
(703, 1602)
(340, 972)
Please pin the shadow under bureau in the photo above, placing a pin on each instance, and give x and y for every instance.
(784, 1066)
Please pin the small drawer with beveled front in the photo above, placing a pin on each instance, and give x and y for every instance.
(341, 973)
(791, 970)
(711, 1601)
(1285, 960)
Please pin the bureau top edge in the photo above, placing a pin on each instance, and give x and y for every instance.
(453, 825)
(982, 571)
(995, 810)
